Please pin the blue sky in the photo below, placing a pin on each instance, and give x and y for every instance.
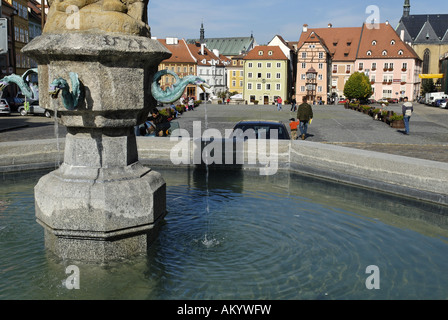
(266, 18)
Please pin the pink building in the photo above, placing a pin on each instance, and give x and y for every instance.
(392, 65)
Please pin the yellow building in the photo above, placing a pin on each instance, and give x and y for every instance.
(236, 74)
(20, 34)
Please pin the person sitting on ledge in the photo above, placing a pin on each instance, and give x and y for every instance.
(159, 123)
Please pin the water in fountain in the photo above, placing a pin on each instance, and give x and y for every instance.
(206, 241)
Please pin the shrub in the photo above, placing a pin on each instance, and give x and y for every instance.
(395, 117)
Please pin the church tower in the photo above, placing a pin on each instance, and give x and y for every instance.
(406, 8)
(202, 36)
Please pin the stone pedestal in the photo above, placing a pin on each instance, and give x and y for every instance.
(101, 204)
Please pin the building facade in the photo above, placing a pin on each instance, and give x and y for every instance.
(182, 62)
(392, 66)
(211, 68)
(313, 65)
(235, 74)
(427, 34)
(265, 75)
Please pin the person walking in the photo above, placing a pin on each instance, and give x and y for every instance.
(293, 104)
(305, 115)
(407, 110)
(279, 103)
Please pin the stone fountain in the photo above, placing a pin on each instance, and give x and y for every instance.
(101, 204)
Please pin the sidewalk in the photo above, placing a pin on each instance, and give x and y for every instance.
(336, 125)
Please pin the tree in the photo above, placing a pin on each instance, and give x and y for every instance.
(358, 87)
(428, 86)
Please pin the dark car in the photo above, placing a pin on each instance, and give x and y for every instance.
(260, 129)
(34, 108)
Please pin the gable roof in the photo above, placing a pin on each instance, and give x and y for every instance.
(341, 43)
(415, 23)
(266, 53)
(382, 40)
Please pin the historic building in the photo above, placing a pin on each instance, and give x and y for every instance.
(392, 65)
(182, 62)
(265, 75)
(289, 50)
(427, 34)
(235, 74)
(331, 52)
(444, 71)
(211, 66)
(327, 57)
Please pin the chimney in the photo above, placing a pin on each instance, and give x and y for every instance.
(330, 25)
(402, 35)
(305, 28)
(202, 48)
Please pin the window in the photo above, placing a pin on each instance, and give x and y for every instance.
(369, 53)
(268, 75)
(268, 65)
(278, 75)
(268, 86)
(278, 87)
(319, 89)
(335, 68)
(302, 88)
(259, 75)
(404, 66)
(260, 53)
(321, 66)
(259, 65)
(234, 73)
(270, 53)
(303, 65)
(361, 66)
(321, 55)
(258, 86)
(400, 53)
(320, 77)
(392, 42)
(241, 83)
(374, 43)
(303, 55)
(249, 86)
(348, 68)
(249, 65)
(373, 66)
(384, 53)
(250, 75)
(303, 76)
(279, 64)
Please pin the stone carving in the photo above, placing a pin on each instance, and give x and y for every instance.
(98, 16)
(27, 90)
(174, 92)
(70, 100)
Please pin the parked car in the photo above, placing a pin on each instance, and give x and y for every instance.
(393, 100)
(344, 101)
(443, 104)
(438, 102)
(261, 129)
(34, 108)
(4, 107)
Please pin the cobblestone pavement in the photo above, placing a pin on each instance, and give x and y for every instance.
(331, 124)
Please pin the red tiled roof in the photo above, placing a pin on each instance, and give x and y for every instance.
(196, 51)
(276, 53)
(342, 43)
(383, 39)
(180, 52)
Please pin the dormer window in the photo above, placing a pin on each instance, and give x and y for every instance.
(400, 53)
(374, 43)
(260, 53)
(270, 53)
(392, 42)
(369, 53)
(384, 53)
